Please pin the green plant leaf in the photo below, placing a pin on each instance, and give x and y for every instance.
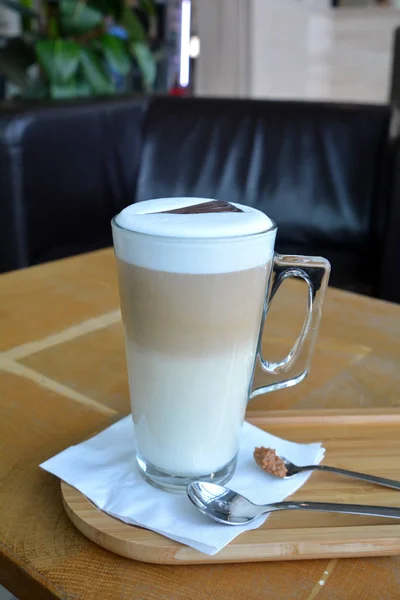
(20, 8)
(44, 53)
(73, 89)
(98, 79)
(133, 25)
(148, 7)
(146, 63)
(28, 21)
(78, 18)
(113, 8)
(83, 89)
(63, 90)
(52, 27)
(116, 54)
(59, 59)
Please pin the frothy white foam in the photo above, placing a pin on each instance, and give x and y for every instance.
(147, 217)
(202, 243)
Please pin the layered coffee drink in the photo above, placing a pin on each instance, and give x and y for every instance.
(192, 285)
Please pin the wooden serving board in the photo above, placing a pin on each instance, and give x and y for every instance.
(365, 440)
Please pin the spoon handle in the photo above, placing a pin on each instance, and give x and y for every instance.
(390, 483)
(349, 509)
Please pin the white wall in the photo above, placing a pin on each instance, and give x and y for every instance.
(289, 41)
(294, 49)
(303, 50)
(223, 66)
(10, 22)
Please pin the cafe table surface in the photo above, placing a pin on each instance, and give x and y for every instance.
(63, 378)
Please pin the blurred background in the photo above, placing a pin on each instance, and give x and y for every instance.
(311, 49)
(291, 106)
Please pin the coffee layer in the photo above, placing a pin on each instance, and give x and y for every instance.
(191, 314)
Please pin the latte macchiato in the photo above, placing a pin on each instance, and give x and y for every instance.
(192, 287)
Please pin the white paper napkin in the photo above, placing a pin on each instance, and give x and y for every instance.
(104, 469)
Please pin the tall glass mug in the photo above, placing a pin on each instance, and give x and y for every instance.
(195, 284)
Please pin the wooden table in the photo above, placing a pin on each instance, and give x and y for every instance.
(63, 378)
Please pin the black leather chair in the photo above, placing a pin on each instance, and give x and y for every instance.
(325, 172)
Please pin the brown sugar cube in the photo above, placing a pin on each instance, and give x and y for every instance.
(268, 460)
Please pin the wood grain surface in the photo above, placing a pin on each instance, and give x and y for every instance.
(63, 378)
(369, 443)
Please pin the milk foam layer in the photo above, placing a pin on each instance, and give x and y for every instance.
(147, 217)
(192, 243)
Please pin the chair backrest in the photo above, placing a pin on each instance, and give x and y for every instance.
(318, 169)
(315, 168)
(65, 170)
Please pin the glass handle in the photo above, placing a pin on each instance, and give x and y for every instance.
(295, 366)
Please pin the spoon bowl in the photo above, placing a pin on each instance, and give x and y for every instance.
(220, 503)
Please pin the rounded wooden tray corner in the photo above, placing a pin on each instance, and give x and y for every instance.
(115, 535)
